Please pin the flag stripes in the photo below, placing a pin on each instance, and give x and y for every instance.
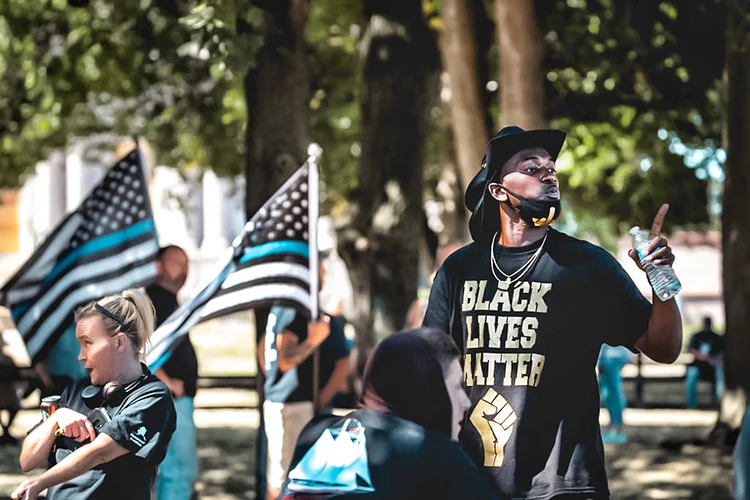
(107, 245)
(269, 264)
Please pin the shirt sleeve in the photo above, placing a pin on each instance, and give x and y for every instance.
(145, 425)
(437, 314)
(621, 310)
(695, 342)
(338, 348)
(287, 319)
(440, 307)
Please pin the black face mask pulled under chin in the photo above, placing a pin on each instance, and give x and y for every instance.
(537, 213)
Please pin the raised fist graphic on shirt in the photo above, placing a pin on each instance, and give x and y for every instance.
(493, 418)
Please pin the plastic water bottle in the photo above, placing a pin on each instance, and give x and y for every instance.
(662, 277)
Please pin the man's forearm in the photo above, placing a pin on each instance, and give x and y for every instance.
(662, 341)
(104, 449)
(336, 382)
(291, 356)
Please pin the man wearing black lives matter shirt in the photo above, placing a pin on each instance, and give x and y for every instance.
(530, 307)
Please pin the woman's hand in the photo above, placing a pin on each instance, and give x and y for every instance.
(74, 425)
(27, 490)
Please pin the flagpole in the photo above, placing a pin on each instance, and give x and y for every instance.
(313, 212)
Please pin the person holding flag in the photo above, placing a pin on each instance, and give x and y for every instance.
(295, 388)
(272, 264)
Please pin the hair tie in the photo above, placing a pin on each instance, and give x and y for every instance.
(105, 312)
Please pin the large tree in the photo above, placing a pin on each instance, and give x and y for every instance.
(637, 68)
(521, 48)
(735, 222)
(463, 62)
(277, 93)
(399, 82)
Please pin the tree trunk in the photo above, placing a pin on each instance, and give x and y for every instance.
(381, 244)
(521, 47)
(735, 222)
(458, 46)
(277, 91)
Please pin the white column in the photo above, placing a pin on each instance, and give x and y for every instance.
(49, 194)
(194, 207)
(213, 214)
(26, 209)
(75, 188)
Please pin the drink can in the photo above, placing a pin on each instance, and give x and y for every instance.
(49, 405)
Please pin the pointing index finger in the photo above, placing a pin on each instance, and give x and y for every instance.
(659, 220)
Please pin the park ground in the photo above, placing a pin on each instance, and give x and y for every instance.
(665, 456)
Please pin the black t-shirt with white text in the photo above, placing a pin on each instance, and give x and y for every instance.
(143, 424)
(530, 352)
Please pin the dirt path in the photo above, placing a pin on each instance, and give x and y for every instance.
(638, 469)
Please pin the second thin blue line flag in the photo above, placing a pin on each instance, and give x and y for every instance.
(270, 263)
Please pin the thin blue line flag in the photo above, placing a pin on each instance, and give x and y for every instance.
(107, 245)
(267, 265)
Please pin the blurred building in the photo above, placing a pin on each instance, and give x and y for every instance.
(194, 209)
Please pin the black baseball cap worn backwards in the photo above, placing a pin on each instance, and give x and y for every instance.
(509, 141)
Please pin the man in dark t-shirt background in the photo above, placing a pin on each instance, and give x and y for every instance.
(530, 307)
(179, 471)
(707, 348)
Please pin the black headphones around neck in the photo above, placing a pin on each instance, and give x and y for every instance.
(112, 394)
